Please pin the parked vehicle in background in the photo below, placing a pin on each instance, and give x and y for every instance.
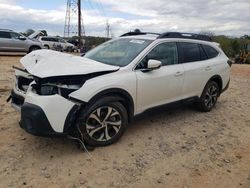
(94, 97)
(56, 42)
(11, 41)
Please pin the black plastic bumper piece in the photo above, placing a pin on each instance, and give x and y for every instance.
(227, 86)
(35, 122)
(16, 99)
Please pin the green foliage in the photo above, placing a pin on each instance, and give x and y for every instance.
(232, 46)
(91, 42)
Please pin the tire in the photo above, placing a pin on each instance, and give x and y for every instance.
(33, 48)
(209, 97)
(46, 46)
(103, 122)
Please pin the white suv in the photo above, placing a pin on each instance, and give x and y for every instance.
(94, 97)
(55, 42)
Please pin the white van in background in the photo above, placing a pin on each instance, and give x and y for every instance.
(56, 43)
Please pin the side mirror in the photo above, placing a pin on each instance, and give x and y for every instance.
(22, 38)
(152, 65)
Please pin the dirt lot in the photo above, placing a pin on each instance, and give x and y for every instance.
(168, 147)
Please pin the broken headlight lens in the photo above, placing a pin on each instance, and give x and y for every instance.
(48, 90)
(52, 89)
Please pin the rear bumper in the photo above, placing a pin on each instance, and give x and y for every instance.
(35, 122)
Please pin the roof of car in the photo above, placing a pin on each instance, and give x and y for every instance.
(50, 37)
(154, 36)
(144, 37)
(5, 30)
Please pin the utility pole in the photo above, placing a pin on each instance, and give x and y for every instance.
(108, 29)
(74, 22)
(79, 24)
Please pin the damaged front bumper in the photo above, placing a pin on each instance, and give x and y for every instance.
(43, 115)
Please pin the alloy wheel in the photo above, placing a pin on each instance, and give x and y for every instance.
(103, 123)
(211, 96)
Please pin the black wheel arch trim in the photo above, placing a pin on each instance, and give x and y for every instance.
(122, 95)
(34, 46)
(216, 78)
(118, 93)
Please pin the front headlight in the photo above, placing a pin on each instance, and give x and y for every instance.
(48, 90)
(61, 85)
(52, 89)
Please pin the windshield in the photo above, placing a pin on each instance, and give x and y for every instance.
(118, 52)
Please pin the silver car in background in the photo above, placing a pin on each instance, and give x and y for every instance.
(11, 41)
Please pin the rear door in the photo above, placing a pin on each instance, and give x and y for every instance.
(5, 40)
(197, 66)
(163, 85)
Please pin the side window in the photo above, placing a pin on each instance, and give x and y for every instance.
(210, 51)
(203, 55)
(190, 52)
(5, 35)
(61, 40)
(165, 52)
(55, 40)
(15, 35)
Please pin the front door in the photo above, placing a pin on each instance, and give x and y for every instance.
(163, 85)
(16, 44)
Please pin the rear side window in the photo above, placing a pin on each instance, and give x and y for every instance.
(55, 40)
(210, 51)
(190, 52)
(202, 53)
(4, 34)
(45, 39)
(15, 35)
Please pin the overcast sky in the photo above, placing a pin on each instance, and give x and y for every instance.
(228, 17)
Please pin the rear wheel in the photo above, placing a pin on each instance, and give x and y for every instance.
(209, 97)
(103, 123)
(46, 46)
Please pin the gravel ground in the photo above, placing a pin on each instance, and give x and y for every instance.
(165, 147)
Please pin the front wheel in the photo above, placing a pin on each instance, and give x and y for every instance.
(103, 123)
(33, 48)
(209, 97)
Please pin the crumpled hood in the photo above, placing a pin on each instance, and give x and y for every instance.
(49, 63)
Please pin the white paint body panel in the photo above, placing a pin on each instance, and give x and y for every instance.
(55, 107)
(48, 63)
(158, 87)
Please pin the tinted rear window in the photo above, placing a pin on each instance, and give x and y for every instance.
(191, 52)
(202, 53)
(4, 34)
(210, 51)
(46, 39)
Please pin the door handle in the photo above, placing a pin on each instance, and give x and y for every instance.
(208, 68)
(178, 73)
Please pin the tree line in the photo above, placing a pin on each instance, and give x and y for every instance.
(232, 46)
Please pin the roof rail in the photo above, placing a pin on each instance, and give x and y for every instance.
(185, 35)
(138, 32)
